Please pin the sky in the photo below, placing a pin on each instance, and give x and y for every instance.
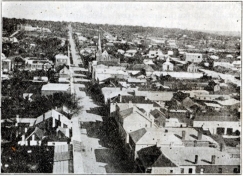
(213, 16)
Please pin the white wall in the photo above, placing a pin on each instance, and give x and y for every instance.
(213, 125)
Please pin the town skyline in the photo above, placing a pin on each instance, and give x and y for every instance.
(174, 14)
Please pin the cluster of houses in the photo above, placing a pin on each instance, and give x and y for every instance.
(167, 130)
(50, 130)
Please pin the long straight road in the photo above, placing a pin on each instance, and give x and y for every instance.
(97, 146)
(83, 155)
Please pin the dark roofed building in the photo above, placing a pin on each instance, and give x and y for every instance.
(133, 99)
(159, 117)
(150, 158)
(139, 67)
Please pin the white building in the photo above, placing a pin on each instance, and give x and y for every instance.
(61, 59)
(168, 66)
(192, 68)
(51, 88)
(193, 57)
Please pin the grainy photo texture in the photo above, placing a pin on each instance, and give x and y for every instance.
(121, 87)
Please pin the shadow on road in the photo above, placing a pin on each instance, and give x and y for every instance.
(102, 111)
(116, 163)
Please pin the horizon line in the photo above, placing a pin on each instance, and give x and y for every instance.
(196, 30)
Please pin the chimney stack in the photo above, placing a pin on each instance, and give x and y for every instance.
(44, 117)
(221, 147)
(68, 133)
(33, 137)
(183, 135)
(53, 122)
(158, 143)
(199, 135)
(196, 159)
(23, 139)
(17, 118)
(130, 105)
(120, 98)
(213, 159)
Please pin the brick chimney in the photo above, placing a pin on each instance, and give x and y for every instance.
(183, 135)
(213, 159)
(196, 159)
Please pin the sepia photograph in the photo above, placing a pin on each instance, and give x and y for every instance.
(116, 87)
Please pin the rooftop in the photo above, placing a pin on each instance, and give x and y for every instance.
(55, 86)
(166, 136)
(153, 157)
(216, 116)
(185, 156)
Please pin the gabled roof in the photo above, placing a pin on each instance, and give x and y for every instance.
(50, 114)
(126, 112)
(64, 70)
(136, 135)
(157, 114)
(37, 131)
(149, 155)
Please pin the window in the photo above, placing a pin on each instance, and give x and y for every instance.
(171, 171)
(182, 170)
(235, 170)
(229, 131)
(201, 171)
(220, 131)
(148, 171)
(190, 171)
(198, 56)
(220, 170)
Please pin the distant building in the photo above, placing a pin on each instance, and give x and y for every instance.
(168, 66)
(218, 123)
(33, 64)
(193, 57)
(6, 64)
(51, 88)
(105, 57)
(130, 53)
(168, 138)
(131, 119)
(50, 128)
(237, 64)
(157, 159)
(192, 68)
(64, 74)
(31, 28)
(61, 59)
